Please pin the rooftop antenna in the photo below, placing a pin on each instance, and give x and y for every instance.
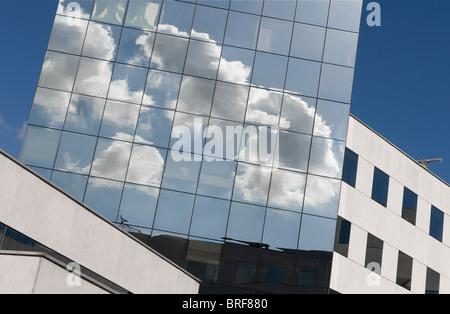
(424, 162)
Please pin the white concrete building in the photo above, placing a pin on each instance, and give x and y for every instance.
(37, 216)
(407, 245)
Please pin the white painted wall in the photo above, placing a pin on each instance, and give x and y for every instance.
(39, 210)
(386, 223)
(23, 273)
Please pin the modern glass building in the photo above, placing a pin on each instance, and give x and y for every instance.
(149, 112)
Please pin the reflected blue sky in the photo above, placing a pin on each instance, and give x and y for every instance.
(405, 56)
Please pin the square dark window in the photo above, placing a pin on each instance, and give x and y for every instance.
(307, 277)
(380, 187)
(274, 274)
(436, 223)
(409, 210)
(350, 167)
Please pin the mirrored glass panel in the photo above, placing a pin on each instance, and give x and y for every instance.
(287, 190)
(209, 24)
(154, 127)
(246, 223)
(169, 53)
(138, 205)
(283, 9)
(236, 65)
(119, 120)
(345, 15)
(217, 178)
(294, 151)
(39, 147)
(202, 59)
(331, 120)
(127, 83)
(182, 172)
(254, 6)
(49, 108)
(263, 107)
(297, 113)
(317, 234)
(222, 140)
(81, 9)
(108, 204)
(275, 35)
(196, 95)
(135, 47)
(162, 89)
(45, 173)
(242, 30)
(67, 35)
(111, 159)
(303, 77)
(143, 14)
(322, 197)
(230, 101)
(75, 153)
(146, 165)
(312, 12)
(341, 48)
(258, 144)
(281, 229)
(74, 184)
(102, 41)
(176, 18)
(336, 83)
(327, 157)
(84, 114)
(174, 211)
(269, 71)
(308, 41)
(224, 4)
(109, 11)
(210, 218)
(93, 77)
(187, 133)
(252, 184)
(59, 71)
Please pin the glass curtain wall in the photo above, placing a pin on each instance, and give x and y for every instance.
(149, 112)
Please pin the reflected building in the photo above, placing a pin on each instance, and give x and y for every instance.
(121, 76)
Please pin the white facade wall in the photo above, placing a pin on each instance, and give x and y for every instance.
(35, 273)
(367, 216)
(39, 210)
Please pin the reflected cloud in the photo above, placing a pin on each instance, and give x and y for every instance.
(111, 159)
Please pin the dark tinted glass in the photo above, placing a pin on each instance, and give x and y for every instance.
(436, 223)
(380, 187)
(433, 281)
(374, 253)
(350, 167)
(342, 236)
(404, 270)
(409, 210)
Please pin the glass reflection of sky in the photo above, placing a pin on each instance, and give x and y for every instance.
(122, 78)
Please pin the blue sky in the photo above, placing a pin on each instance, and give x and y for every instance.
(401, 88)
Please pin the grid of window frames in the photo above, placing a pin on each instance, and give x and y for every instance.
(120, 75)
